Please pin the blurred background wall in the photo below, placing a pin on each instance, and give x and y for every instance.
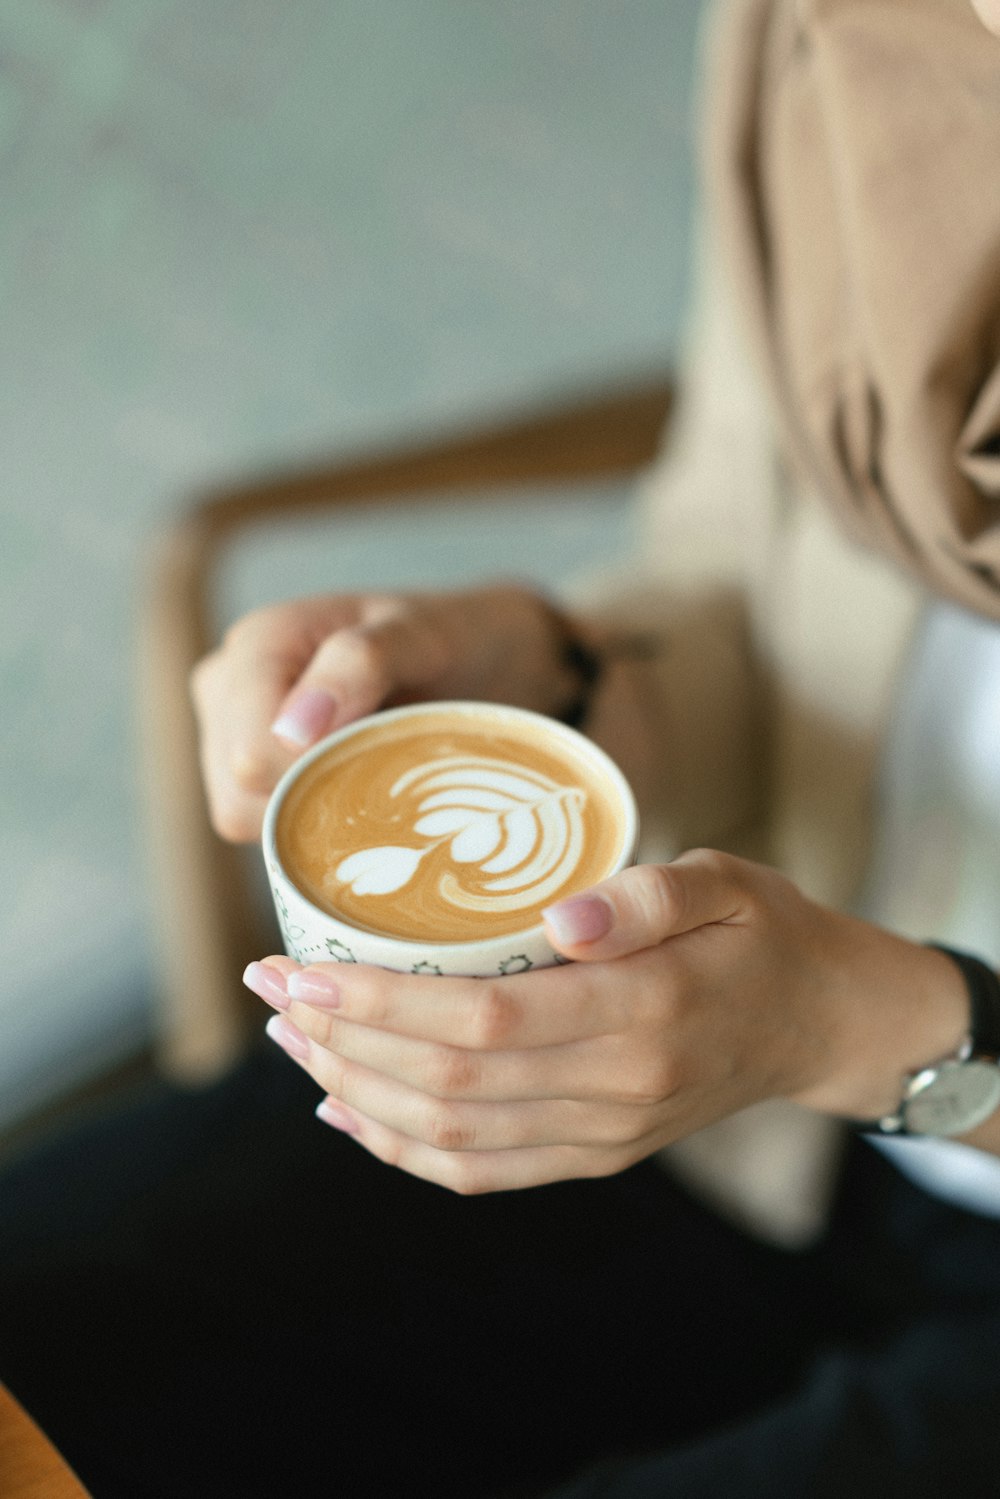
(243, 235)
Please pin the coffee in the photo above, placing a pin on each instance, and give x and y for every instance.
(450, 824)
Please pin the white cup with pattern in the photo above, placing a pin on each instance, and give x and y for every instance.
(429, 838)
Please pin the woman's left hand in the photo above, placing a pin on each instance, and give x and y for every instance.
(697, 988)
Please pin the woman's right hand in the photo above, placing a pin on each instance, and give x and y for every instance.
(287, 674)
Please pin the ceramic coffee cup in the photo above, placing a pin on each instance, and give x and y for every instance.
(428, 838)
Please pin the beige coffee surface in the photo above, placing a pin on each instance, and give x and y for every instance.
(442, 827)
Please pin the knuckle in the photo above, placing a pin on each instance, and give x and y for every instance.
(447, 1129)
(724, 869)
(251, 770)
(252, 626)
(465, 1177)
(494, 1018)
(618, 1125)
(374, 991)
(233, 821)
(654, 1080)
(715, 860)
(332, 1074)
(336, 1075)
(323, 1028)
(379, 1008)
(605, 1163)
(634, 1129)
(380, 607)
(659, 895)
(240, 630)
(450, 1072)
(361, 655)
(389, 1149)
(238, 638)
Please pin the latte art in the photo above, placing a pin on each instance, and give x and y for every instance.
(496, 817)
(445, 825)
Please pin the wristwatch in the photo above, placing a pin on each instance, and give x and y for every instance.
(952, 1096)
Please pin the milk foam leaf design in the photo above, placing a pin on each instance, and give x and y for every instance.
(543, 834)
(478, 839)
(520, 827)
(472, 796)
(379, 871)
(555, 852)
(439, 824)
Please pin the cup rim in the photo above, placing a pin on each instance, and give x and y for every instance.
(401, 945)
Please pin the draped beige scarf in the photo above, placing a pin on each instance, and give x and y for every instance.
(853, 164)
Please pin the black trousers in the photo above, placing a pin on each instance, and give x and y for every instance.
(212, 1294)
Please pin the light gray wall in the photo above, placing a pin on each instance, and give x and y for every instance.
(245, 233)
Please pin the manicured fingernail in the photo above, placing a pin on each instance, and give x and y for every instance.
(314, 988)
(288, 1036)
(307, 717)
(268, 984)
(582, 918)
(331, 1113)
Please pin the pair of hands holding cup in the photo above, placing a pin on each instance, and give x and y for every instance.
(696, 987)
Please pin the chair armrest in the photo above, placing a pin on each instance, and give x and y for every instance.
(593, 437)
(203, 912)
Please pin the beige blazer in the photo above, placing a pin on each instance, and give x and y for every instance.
(781, 647)
(835, 462)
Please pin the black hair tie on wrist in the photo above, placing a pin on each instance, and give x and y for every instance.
(587, 663)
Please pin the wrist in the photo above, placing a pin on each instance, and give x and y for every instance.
(509, 649)
(895, 1007)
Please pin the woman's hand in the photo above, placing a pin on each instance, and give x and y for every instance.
(699, 987)
(285, 676)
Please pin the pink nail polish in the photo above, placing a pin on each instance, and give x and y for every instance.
(314, 988)
(337, 1117)
(307, 717)
(582, 918)
(268, 984)
(288, 1037)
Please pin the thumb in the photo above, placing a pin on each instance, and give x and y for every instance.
(644, 905)
(357, 670)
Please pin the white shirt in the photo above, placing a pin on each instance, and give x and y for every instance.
(937, 855)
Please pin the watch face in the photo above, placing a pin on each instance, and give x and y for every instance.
(952, 1098)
